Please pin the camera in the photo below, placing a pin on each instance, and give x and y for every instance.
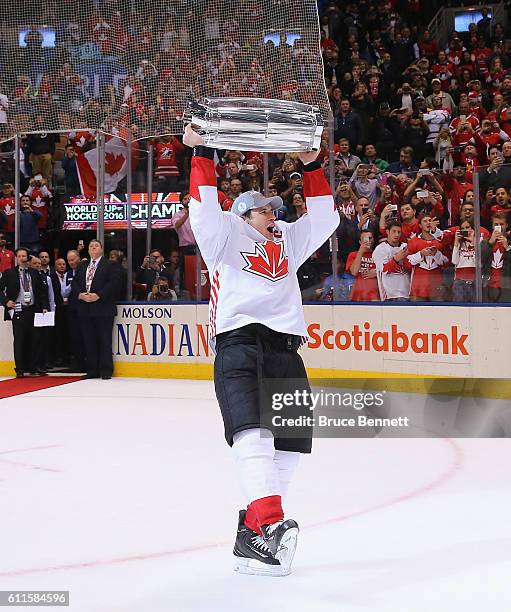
(393, 207)
(163, 288)
(464, 233)
(152, 260)
(365, 210)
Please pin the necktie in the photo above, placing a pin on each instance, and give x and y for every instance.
(90, 274)
(26, 280)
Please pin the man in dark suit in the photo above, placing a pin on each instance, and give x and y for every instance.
(60, 352)
(49, 336)
(97, 285)
(72, 322)
(23, 293)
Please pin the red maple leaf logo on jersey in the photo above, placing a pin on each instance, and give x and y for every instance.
(269, 260)
(113, 163)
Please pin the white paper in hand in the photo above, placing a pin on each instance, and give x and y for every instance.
(44, 319)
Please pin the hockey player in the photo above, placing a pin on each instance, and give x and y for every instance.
(256, 326)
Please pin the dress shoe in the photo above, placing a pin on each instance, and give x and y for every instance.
(20, 375)
(39, 372)
(89, 376)
(106, 377)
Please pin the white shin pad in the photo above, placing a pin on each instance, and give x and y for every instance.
(262, 470)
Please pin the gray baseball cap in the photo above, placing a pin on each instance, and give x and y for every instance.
(253, 199)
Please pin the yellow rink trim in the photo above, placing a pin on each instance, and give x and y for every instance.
(391, 381)
(204, 371)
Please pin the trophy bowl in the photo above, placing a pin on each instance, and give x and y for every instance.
(256, 124)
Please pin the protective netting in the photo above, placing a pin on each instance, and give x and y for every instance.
(134, 64)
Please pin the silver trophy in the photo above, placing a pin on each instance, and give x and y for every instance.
(256, 124)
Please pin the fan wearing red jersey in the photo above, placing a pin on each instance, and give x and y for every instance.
(7, 257)
(463, 258)
(167, 153)
(256, 327)
(361, 265)
(427, 259)
(496, 260)
(466, 214)
(41, 198)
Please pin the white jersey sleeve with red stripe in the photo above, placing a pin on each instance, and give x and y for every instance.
(314, 228)
(211, 226)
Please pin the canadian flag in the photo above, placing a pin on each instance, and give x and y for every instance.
(116, 158)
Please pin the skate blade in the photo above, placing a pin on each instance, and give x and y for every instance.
(287, 548)
(256, 568)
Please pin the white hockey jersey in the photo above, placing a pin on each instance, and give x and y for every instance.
(393, 277)
(253, 279)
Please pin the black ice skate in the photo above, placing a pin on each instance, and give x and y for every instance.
(282, 538)
(252, 554)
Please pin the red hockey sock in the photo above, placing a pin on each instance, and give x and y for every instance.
(264, 511)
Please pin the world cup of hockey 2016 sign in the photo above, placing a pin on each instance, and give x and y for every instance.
(256, 124)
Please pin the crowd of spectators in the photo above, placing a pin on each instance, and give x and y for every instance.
(418, 124)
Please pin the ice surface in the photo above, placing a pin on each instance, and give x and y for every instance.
(124, 493)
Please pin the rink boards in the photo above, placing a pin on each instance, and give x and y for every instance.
(170, 340)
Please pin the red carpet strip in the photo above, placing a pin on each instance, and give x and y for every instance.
(18, 386)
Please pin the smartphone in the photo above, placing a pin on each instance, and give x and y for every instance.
(80, 243)
(464, 233)
(498, 228)
(393, 207)
(423, 171)
(364, 167)
(463, 118)
(422, 194)
(152, 259)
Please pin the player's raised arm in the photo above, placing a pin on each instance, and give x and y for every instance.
(313, 229)
(210, 225)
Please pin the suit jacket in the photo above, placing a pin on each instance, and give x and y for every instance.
(72, 296)
(55, 283)
(10, 288)
(105, 283)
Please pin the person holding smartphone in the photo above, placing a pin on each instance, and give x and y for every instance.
(427, 259)
(361, 265)
(463, 258)
(496, 261)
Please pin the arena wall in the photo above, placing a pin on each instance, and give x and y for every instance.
(344, 341)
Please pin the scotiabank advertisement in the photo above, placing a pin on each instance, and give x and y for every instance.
(419, 340)
(410, 339)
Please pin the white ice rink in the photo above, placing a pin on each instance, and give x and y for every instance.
(123, 492)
